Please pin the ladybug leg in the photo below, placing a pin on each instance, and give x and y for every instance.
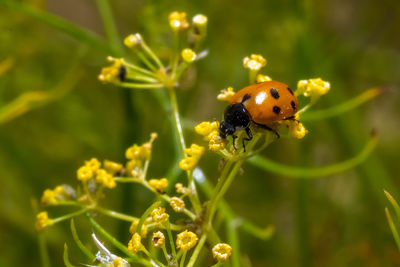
(233, 141)
(250, 136)
(268, 128)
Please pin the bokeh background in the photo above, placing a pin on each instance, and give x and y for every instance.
(337, 220)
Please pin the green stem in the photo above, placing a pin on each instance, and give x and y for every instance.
(140, 69)
(393, 228)
(44, 253)
(197, 250)
(152, 55)
(109, 26)
(145, 215)
(68, 216)
(141, 85)
(183, 259)
(117, 215)
(145, 60)
(79, 242)
(171, 240)
(233, 236)
(65, 257)
(148, 254)
(394, 203)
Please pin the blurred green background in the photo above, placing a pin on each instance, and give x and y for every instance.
(329, 221)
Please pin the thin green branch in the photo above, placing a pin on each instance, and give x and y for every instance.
(141, 85)
(394, 203)
(79, 243)
(145, 215)
(343, 107)
(65, 257)
(197, 250)
(306, 173)
(60, 24)
(234, 242)
(44, 253)
(393, 228)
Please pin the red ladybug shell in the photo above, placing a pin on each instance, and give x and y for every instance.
(269, 101)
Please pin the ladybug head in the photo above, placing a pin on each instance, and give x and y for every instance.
(226, 129)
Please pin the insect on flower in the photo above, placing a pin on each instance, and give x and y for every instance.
(262, 104)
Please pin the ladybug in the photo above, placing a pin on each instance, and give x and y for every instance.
(262, 104)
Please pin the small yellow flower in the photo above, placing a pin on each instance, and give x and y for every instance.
(263, 78)
(159, 184)
(84, 173)
(49, 197)
(132, 167)
(311, 87)
(222, 251)
(188, 55)
(297, 129)
(254, 62)
(103, 177)
(216, 143)
(181, 189)
(188, 163)
(200, 25)
(159, 215)
(194, 150)
(133, 228)
(133, 152)
(59, 190)
(113, 72)
(135, 244)
(94, 164)
(119, 262)
(206, 127)
(186, 240)
(177, 204)
(133, 40)
(177, 21)
(158, 239)
(112, 167)
(42, 221)
(226, 94)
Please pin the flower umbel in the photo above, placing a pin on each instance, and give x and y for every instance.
(159, 215)
(42, 221)
(133, 229)
(226, 94)
(254, 62)
(186, 240)
(312, 87)
(177, 204)
(135, 244)
(158, 239)
(159, 184)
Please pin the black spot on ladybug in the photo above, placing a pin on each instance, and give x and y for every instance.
(274, 93)
(290, 91)
(293, 105)
(122, 73)
(276, 110)
(245, 97)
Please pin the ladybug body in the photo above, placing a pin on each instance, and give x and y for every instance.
(262, 103)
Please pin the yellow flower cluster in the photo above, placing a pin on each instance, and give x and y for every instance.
(177, 204)
(178, 21)
(113, 167)
(137, 154)
(194, 153)
(181, 189)
(158, 239)
(105, 178)
(312, 87)
(222, 251)
(52, 197)
(211, 134)
(297, 129)
(254, 62)
(133, 228)
(42, 221)
(133, 40)
(226, 94)
(159, 184)
(112, 73)
(159, 215)
(92, 169)
(263, 78)
(135, 244)
(186, 240)
(119, 262)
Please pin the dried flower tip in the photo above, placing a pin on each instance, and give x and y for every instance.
(222, 251)
(311, 87)
(159, 184)
(112, 167)
(206, 127)
(159, 215)
(93, 164)
(133, 40)
(177, 21)
(226, 94)
(135, 244)
(186, 240)
(158, 239)
(114, 73)
(297, 129)
(84, 173)
(177, 204)
(188, 55)
(263, 78)
(42, 221)
(195, 150)
(254, 62)
(133, 229)
(181, 189)
(200, 25)
(188, 163)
